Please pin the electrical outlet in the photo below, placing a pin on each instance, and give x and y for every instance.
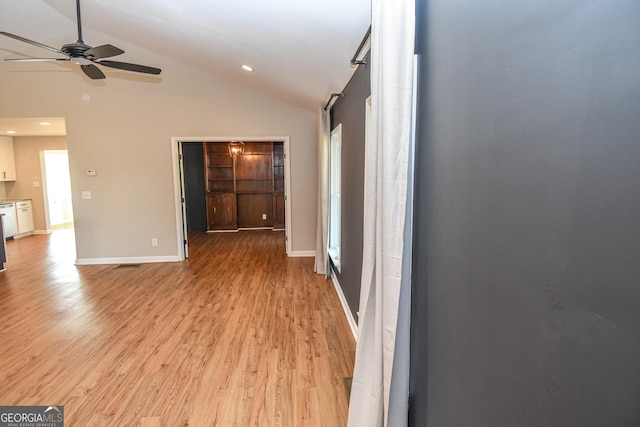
(154, 242)
(264, 216)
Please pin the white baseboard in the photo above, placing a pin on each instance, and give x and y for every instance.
(20, 236)
(41, 231)
(301, 254)
(345, 306)
(127, 260)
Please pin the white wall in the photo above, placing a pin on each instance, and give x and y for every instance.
(29, 170)
(124, 133)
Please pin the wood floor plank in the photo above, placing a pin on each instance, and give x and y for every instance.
(237, 335)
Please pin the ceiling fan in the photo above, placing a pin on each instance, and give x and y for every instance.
(84, 55)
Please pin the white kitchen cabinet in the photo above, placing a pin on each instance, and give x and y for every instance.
(7, 159)
(24, 216)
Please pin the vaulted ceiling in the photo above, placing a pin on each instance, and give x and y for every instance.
(299, 49)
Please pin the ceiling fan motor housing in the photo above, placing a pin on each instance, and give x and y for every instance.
(76, 52)
(75, 49)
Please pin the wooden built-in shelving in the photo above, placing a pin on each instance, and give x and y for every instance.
(246, 191)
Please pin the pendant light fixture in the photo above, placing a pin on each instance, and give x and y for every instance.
(236, 148)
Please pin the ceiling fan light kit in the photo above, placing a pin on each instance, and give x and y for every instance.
(84, 55)
(80, 60)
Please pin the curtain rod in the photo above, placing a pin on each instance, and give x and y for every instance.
(333, 95)
(354, 61)
(363, 43)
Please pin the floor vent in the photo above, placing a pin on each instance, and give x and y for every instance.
(129, 266)
(347, 385)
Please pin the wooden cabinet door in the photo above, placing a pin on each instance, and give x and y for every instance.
(214, 209)
(278, 211)
(221, 211)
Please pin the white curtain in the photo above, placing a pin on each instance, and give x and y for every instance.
(385, 268)
(322, 228)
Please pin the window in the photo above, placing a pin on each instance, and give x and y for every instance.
(335, 172)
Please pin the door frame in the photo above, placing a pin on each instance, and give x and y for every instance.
(178, 184)
(45, 186)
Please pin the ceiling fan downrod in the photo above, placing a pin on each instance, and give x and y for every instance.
(78, 21)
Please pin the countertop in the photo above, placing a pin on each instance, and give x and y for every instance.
(13, 200)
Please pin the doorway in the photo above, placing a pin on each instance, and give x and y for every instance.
(56, 189)
(180, 191)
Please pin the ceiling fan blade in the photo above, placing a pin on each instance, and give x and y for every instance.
(130, 67)
(22, 39)
(92, 71)
(104, 51)
(35, 59)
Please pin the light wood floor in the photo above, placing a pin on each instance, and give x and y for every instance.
(238, 335)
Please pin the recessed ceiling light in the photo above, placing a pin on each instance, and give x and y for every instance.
(45, 123)
(11, 132)
(247, 68)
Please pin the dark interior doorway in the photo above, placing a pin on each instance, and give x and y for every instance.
(194, 186)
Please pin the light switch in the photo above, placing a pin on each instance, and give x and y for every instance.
(36, 183)
(86, 195)
(91, 172)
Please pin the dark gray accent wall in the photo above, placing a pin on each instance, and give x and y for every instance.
(526, 292)
(350, 112)
(194, 183)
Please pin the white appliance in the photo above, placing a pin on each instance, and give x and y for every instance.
(10, 223)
